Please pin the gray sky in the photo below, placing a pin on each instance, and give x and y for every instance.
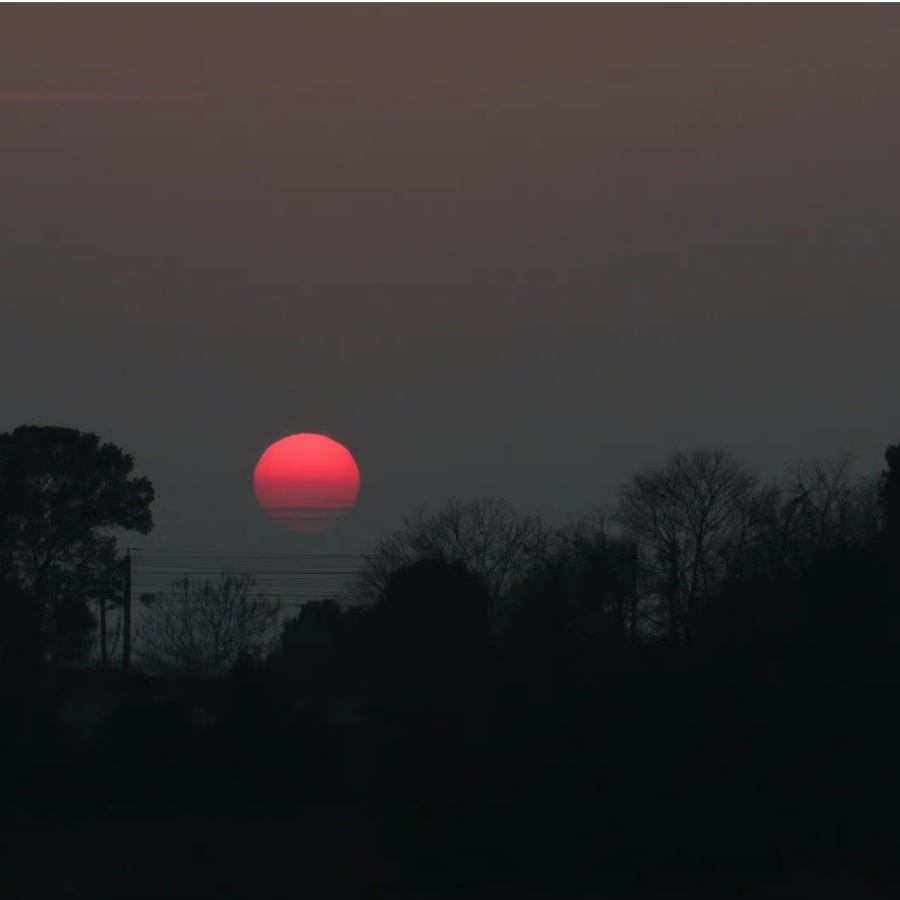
(494, 250)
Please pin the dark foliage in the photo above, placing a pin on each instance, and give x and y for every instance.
(319, 648)
(61, 493)
(890, 492)
(431, 629)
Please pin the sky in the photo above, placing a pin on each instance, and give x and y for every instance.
(502, 251)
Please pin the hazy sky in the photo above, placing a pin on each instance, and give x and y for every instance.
(494, 250)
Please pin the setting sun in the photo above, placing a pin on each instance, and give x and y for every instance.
(306, 481)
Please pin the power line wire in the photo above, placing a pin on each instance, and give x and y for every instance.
(288, 579)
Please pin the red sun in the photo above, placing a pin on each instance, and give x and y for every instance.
(306, 481)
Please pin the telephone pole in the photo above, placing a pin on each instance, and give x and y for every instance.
(126, 624)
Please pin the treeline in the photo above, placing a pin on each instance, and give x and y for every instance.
(692, 693)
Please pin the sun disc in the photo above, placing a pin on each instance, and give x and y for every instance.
(307, 482)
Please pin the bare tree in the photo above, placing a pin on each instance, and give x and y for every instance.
(690, 520)
(816, 507)
(589, 543)
(581, 602)
(204, 627)
(823, 507)
(489, 537)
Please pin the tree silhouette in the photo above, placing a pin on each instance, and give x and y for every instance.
(889, 492)
(689, 520)
(432, 628)
(61, 492)
(317, 646)
(823, 508)
(20, 631)
(580, 605)
(205, 627)
(488, 538)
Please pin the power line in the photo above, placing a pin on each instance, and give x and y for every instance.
(288, 579)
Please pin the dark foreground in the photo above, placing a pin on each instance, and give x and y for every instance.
(237, 789)
(328, 852)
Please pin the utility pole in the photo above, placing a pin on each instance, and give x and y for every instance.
(126, 624)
